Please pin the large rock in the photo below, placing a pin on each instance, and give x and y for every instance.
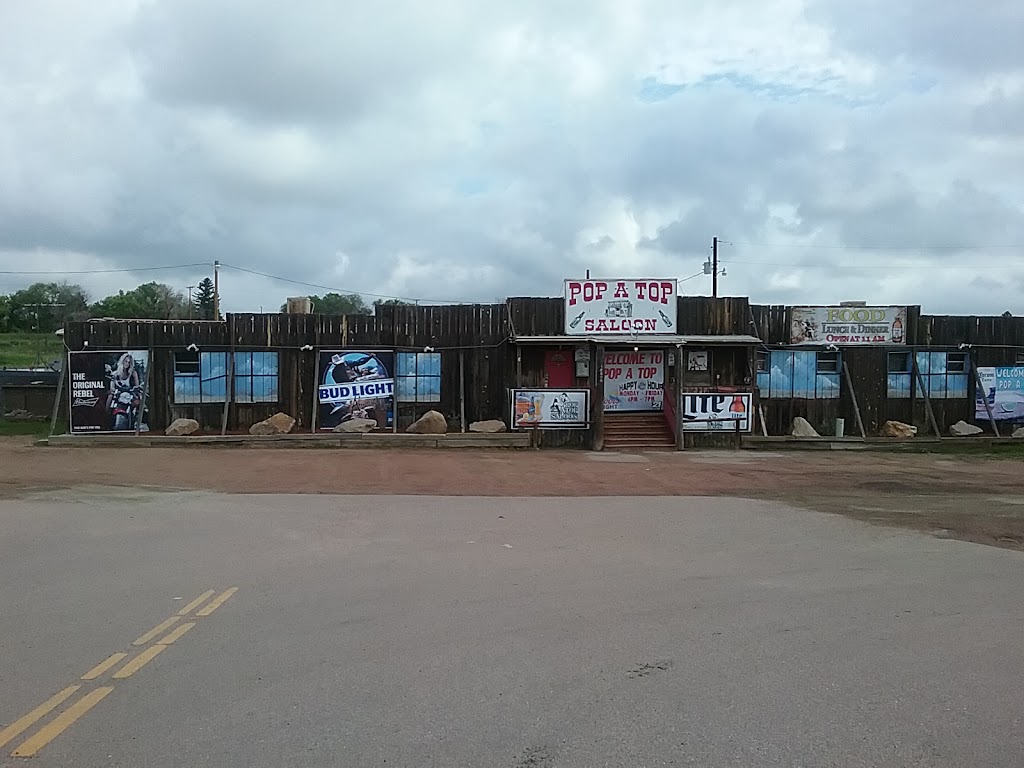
(898, 429)
(491, 425)
(963, 429)
(1018, 432)
(180, 427)
(430, 423)
(356, 425)
(802, 428)
(278, 424)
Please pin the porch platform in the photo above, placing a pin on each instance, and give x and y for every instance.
(306, 440)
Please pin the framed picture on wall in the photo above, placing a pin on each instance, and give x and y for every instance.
(697, 361)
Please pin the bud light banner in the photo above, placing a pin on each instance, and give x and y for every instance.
(716, 411)
(106, 391)
(848, 325)
(355, 384)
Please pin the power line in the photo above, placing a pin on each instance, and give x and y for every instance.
(102, 271)
(795, 246)
(338, 290)
(887, 267)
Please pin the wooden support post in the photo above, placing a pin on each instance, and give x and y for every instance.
(597, 397)
(64, 371)
(677, 395)
(316, 373)
(979, 392)
(462, 388)
(927, 400)
(145, 387)
(229, 380)
(853, 397)
(760, 413)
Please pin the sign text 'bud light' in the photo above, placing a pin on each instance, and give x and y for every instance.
(341, 393)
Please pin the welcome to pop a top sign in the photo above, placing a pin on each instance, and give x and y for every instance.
(625, 306)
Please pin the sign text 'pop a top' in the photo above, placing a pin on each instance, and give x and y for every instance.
(624, 307)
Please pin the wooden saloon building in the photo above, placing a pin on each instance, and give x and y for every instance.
(591, 369)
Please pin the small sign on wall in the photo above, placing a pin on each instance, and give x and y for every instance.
(550, 408)
(697, 361)
(716, 411)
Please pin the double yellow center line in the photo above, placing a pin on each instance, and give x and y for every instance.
(77, 709)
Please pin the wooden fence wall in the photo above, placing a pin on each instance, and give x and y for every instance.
(470, 338)
(988, 341)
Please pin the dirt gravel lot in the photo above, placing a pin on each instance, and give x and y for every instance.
(970, 497)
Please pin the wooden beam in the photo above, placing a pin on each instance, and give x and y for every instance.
(853, 397)
(462, 388)
(64, 371)
(980, 388)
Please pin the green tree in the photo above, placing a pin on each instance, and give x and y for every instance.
(203, 300)
(391, 303)
(45, 307)
(5, 314)
(150, 301)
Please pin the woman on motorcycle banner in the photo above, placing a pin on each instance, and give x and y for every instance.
(122, 401)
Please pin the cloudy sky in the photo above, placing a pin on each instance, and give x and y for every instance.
(461, 150)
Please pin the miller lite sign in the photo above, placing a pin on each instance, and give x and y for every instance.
(620, 307)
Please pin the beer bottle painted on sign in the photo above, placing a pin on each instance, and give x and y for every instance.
(897, 330)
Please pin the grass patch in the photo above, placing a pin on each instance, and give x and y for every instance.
(24, 350)
(27, 428)
(1008, 450)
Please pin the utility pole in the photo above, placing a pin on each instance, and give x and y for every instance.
(190, 287)
(216, 290)
(714, 267)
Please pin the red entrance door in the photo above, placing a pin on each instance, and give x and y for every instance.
(558, 368)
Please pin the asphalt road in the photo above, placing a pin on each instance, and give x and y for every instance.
(515, 633)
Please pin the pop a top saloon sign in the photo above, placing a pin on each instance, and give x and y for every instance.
(620, 307)
(848, 325)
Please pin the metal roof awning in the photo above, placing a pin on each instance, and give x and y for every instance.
(641, 340)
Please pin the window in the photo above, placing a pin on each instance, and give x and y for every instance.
(802, 374)
(1020, 358)
(828, 362)
(899, 374)
(200, 377)
(418, 377)
(944, 374)
(255, 377)
(762, 362)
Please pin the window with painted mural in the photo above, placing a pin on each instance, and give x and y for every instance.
(801, 374)
(418, 377)
(945, 374)
(256, 377)
(200, 377)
